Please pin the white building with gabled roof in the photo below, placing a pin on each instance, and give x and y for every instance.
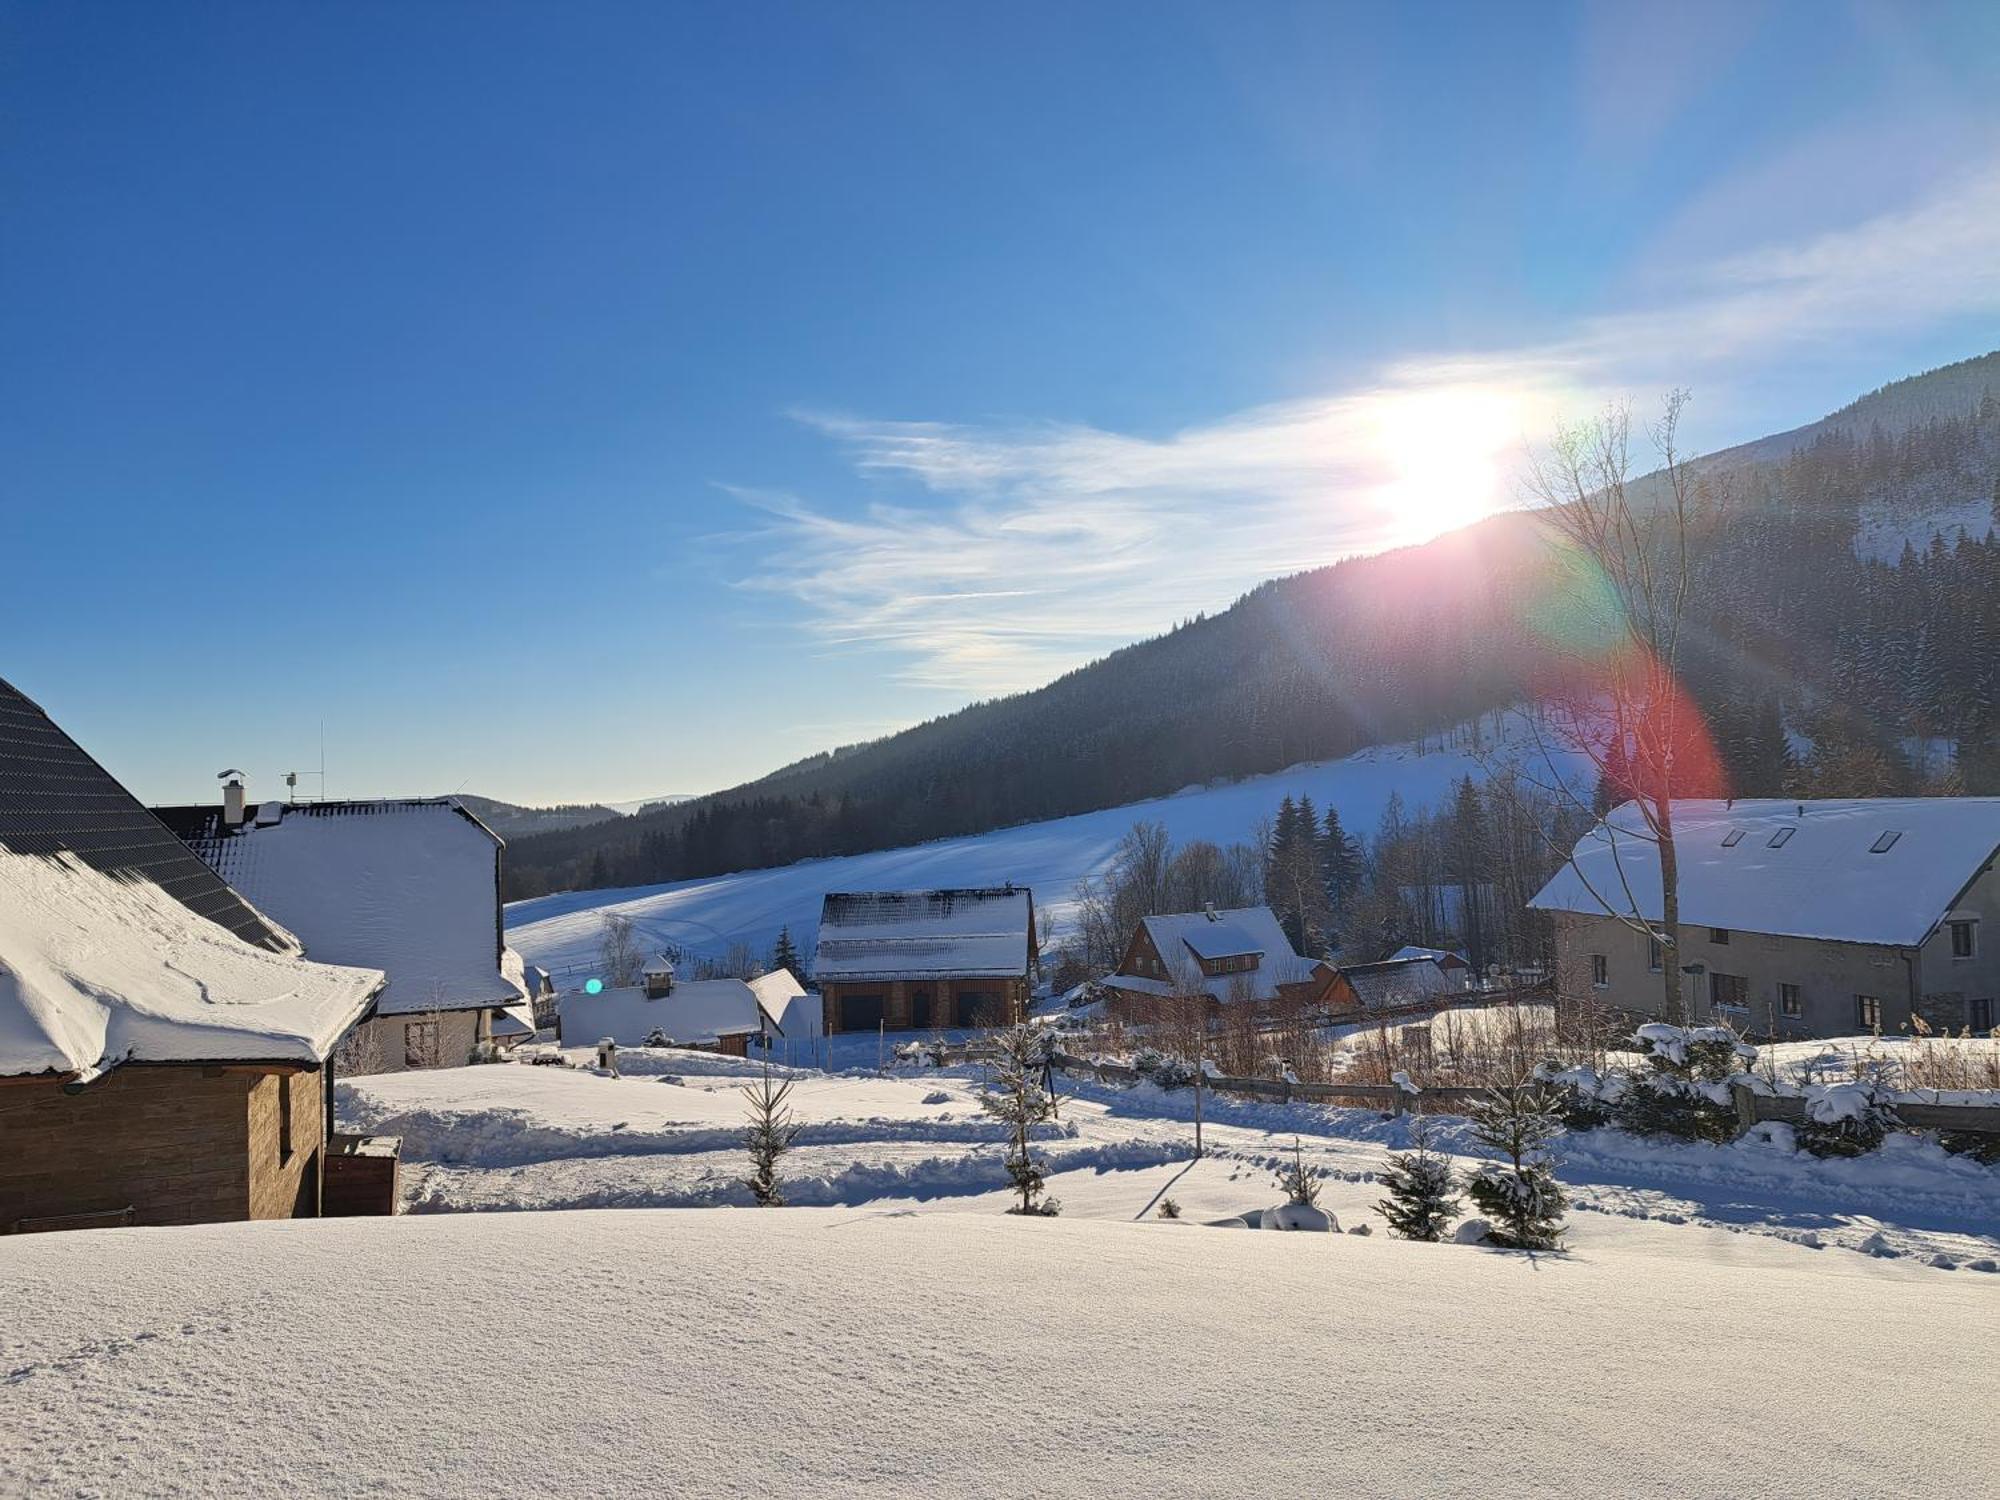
(409, 886)
(1797, 918)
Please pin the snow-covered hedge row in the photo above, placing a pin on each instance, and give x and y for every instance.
(1684, 1084)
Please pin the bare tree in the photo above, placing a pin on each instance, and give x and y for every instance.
(618, 951)
(1624, 576)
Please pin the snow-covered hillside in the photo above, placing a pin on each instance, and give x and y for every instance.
(821, 1352)
(561, 932)
(1883, 530)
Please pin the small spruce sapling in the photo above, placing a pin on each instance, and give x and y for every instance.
(1016, 1094)
(1300, 1182)
(770, 1135)
(1520, 1194)
(1169, 1209)
(1422, 1200)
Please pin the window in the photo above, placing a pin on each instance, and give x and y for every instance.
(1654, 955)
(285, 1082)
(1719, 936)
(1789, 1003)
(1963, 939)
(1979, 1014)
(1885, 843)
(1728, 991)
(1732, 838)
(1868, 1012)
(1782, 837)
(1600, 970)
(420, 1044)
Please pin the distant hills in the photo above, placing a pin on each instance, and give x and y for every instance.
(1826, 614)
(512, 821)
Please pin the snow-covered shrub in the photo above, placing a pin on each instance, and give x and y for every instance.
(1520, 1193)
(1164, 1069)
(1169, 1209)
(1845, 1119)
(937, 1096)
(1471, 1232)
(1300, 1216)
(1976, 1144)
(1682, 1088)
(1420, 1183)
(1589, 1100)
(1361, 1229)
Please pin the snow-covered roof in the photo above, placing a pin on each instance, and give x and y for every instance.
(1399, 981)
(698, 1010)
(411, 887)
(1820, 869)
(55, 799)
(786, 1006)
(96, 971)
(974, 934)
(1443, 956)
(1183, 939)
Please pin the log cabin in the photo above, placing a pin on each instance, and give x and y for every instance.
(1239, 955)
(915, 960)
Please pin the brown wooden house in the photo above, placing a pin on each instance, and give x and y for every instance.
(914, 960)
(163, 1047)
(1239, 955)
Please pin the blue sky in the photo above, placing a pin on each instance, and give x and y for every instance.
(568, 402)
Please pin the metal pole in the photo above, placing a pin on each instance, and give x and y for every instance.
(1200, 1075)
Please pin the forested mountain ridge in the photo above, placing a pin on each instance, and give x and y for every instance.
(1798, 642)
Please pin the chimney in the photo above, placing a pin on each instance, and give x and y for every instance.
(1209, 908)
(232, 800)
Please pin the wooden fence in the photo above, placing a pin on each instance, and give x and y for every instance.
(1753, 1108)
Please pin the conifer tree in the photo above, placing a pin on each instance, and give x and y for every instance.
(1422, 1202)
(770, 1135)
(785, 955)
(1018, 1096)
(1520, 1194)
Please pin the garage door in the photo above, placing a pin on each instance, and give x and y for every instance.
(860, 1012)
(978, 1007)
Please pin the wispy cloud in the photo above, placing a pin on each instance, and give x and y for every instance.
(1033, 548)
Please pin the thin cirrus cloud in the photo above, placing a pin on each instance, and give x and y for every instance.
(1035, 548)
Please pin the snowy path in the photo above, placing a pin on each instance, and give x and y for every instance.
(513, 1137)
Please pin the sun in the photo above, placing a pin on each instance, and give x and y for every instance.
(1444, 453)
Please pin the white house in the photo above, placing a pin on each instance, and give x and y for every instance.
(1816, 918)
(724, 1015)
(411, 887)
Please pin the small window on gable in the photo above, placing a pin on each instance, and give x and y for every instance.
(1885, 843)
(1732, 838)
(1782, 837)
(1719, 936)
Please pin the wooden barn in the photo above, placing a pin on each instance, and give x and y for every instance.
(914, 960)
(164, 1049)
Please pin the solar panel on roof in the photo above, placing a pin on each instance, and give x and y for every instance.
(55, 799)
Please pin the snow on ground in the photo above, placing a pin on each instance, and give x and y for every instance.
(561, 932)
(833, 1352)
(514, 1137)
(1884, 528)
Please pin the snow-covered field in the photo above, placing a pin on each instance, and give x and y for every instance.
(561, 932)
(1724, 1319)
(840, 1352)
(515, 1137)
